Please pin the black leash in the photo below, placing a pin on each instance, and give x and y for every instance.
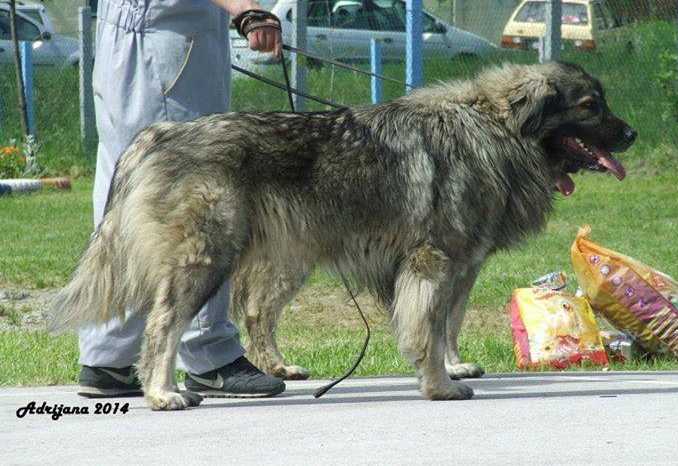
(324, 389)
(255, 19)
(284, 87)
(290, 90)
(299, 51)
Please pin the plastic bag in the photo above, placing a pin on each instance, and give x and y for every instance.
(632, 296)
(553, 328)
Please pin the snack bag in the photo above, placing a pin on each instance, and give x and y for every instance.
(630, 295)
(553, 328)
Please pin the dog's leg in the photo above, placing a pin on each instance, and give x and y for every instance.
(455, 368)
(422, 297)
(164, 327)
(261, 290)
(211, 232)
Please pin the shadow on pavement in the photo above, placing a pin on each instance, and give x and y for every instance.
(295, 400)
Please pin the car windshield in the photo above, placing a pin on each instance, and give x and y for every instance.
(574, 14)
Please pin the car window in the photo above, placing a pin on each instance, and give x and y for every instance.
(318, 13)
(350, 15)
(387, 15)
(572, 13)
(342, 14)
(4, 27)
(375, 15)
(34, 15)
(25, 30)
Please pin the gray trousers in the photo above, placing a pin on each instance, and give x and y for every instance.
(157, 60)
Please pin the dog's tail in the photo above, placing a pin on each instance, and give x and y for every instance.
(91, 295)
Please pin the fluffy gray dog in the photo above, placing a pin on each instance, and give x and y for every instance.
(409, 198)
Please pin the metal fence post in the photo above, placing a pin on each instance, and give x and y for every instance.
(549, 50)
(299, 18)
(26, 50)
(414, 64)
(87, 119)
(375, 62)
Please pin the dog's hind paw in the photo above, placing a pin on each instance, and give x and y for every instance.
(467, 370)
(172, 401)
(291, 372)
(451, 391)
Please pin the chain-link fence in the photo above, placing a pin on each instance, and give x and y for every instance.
(51, 31)
(630, 45)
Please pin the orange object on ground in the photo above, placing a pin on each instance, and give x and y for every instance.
(631, 295)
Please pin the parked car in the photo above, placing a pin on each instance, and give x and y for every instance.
(342, 29)
(33, 25)
(582, 20)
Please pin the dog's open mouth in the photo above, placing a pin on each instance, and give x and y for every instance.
(584, 156)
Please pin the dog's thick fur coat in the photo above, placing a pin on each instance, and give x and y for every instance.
(408, 198)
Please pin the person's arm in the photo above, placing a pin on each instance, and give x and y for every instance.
(264, 39)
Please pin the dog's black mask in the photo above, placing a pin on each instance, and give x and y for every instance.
(577, 129)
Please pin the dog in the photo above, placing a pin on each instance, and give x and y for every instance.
(408, 198)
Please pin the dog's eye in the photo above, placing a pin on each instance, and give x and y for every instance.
(590, 104)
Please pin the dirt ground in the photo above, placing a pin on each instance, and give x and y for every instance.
(20, 308)
(26, 308)
(319, 306)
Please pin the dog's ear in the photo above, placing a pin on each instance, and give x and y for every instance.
(531, 101)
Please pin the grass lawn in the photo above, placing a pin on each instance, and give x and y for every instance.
(42, 235)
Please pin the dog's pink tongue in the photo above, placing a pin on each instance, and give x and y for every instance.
(609, 162)
(565, 184)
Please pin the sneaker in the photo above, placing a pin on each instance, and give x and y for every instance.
(106, 382)
(239, 379)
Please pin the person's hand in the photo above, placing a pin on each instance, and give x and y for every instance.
(262, 39)
(266, 39)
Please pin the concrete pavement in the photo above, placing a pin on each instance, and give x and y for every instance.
(562, 418)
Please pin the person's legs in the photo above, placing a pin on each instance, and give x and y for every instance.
(138, 97)
(211, 341)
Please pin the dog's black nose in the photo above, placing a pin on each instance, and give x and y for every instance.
(630, 135)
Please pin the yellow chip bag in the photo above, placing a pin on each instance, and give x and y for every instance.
(632, 296)
(553, 328)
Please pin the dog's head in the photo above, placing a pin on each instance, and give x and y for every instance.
(564, 109)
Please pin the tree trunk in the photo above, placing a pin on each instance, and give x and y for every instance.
(17, 63)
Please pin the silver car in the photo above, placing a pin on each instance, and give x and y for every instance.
(34, 26)
(342, 29)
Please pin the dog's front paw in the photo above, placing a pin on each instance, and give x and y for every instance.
(163, 400)
(291, 372)
(467, 370)
(444, 391)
